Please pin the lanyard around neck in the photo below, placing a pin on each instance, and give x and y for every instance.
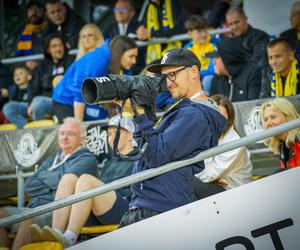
(200, 93)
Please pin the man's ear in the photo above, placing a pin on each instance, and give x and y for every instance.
(195, 72)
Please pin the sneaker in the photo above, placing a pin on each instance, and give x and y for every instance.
(36, 233)
(49, 234)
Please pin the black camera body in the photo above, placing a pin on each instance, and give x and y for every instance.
(140, 89)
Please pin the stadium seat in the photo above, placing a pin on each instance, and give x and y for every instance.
(256, 177)
(12, 201)
(45, 245)
(49, 245)
(98, 229)
(8, 126)
(40, 123)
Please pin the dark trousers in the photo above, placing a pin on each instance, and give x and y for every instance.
(62, 111)
(203, 190)
(135, 215)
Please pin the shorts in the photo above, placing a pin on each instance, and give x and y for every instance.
(41, 220)
(136, 214)
(112, 216)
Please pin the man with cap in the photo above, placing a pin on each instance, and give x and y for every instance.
(103, 209)
(190, 126)
(234, 76)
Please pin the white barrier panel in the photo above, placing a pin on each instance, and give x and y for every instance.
(264, 214)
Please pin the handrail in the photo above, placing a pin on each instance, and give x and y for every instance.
(180, 37)
(150, 173)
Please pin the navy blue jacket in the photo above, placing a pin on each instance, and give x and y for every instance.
(187, 129)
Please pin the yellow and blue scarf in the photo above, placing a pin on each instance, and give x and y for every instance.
(290, 87)
(154, 51)
(24, 46)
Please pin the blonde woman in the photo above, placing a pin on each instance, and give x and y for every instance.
(286, 144)
(90, 37)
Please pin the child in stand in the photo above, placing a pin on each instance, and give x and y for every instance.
(202, 43)
(16, 109)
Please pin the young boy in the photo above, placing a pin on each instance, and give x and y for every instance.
(16, 109)
(201, 44)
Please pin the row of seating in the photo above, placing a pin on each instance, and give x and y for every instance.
(33, 124)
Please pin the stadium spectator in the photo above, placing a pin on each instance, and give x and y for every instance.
(173, 189)
(202, 43)
(90, 37)
(5, 81)
(286, 144)
(116, 58)
(64, 20)
(103, 209)
(283, 77)
(163, 18)
(30, 40)
(125, 23)
(16, 109)
(235, 77)
(253, 40)
(47, 75)
(72, 161)
(293, 34)
(227, 170)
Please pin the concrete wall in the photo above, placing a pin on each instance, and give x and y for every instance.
(271, 16)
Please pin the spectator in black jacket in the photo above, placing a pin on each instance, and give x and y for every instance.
(235, 77)
(64, 20)
(293, 34)
(283, 77)
(16, 109)
(47, 75)
(253, 40)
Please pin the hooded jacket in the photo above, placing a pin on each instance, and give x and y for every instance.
(244, 82)
(185, 130)
(255, 43)
(43, 184)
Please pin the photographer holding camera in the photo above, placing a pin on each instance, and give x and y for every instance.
(190, 126)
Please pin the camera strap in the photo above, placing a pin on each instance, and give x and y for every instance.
(141, 151)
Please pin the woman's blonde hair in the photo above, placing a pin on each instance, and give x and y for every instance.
(96, 30)
(289, 111)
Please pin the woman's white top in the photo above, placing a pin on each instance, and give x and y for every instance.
(232, 168)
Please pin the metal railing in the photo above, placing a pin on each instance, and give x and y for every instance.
(150, 173)
(181, 37)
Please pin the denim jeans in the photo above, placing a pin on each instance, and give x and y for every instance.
(41, 107)
(16, 112)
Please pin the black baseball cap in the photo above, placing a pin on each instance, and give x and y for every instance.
(176, 57)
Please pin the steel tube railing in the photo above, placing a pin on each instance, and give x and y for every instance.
(180, 37)
(148, 173)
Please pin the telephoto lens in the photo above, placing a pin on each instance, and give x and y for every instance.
(142, 89)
